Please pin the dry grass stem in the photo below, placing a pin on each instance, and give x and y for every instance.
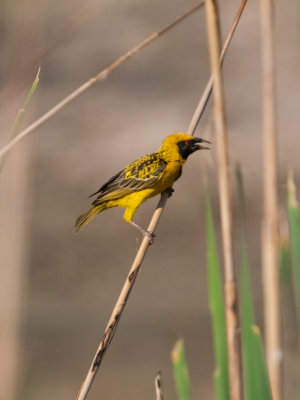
(99, 77)
(20, 116)
(208, 89)
(122, 300)
(270, 239)
(225, 201)
(158, 387)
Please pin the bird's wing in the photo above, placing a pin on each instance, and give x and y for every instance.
(143, 173)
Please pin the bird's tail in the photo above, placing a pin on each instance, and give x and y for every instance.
(84, 219)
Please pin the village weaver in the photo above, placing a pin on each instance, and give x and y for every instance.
(144, 178)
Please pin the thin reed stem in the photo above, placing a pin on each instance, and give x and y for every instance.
(158, 387)
(97, 78)
(209, 86)
(270, 237)
(231, 314)
(122, 300)
(20, 116)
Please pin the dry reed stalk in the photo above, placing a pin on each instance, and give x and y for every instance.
(123, 297)
(158, 387)
(97, 78)
(225, 200)
(208, 89)
(270, 239)
(121, 302)
(15, 206)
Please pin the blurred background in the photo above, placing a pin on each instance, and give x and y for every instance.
(57, 287)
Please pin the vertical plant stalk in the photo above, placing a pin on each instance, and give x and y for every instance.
(255, 373)
(158, 387)
(225, 201)
(270, 239)
(209, 86)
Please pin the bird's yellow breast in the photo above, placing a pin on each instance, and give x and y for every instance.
(133, 200)
(171, 173)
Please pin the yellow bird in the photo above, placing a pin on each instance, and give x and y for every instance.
(144, 178)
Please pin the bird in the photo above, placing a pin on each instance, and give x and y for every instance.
(144, 178)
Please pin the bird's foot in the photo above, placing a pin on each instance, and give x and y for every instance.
(149, 234)
(169, 191)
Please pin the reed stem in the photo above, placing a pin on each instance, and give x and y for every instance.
(233, 342)
(158, 387)
(270, 236)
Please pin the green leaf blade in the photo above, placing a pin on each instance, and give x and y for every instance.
(217, 311)
(294, 226)
(181, 374)
(20, 116)
(256, 380)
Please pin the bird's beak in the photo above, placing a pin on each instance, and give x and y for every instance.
(200, 146)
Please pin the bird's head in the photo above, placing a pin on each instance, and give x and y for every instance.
(183, 143)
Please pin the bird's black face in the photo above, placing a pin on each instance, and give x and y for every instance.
(187, 147)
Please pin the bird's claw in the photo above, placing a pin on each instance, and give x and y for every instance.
(150, 235)
(169, 191)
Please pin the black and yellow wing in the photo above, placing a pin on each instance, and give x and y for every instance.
(142, 174)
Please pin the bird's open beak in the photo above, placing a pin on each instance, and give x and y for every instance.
(198, 142)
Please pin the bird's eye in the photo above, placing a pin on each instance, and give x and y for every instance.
(188, 142)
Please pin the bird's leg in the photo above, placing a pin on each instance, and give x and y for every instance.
(150, 235)
(169, 191)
